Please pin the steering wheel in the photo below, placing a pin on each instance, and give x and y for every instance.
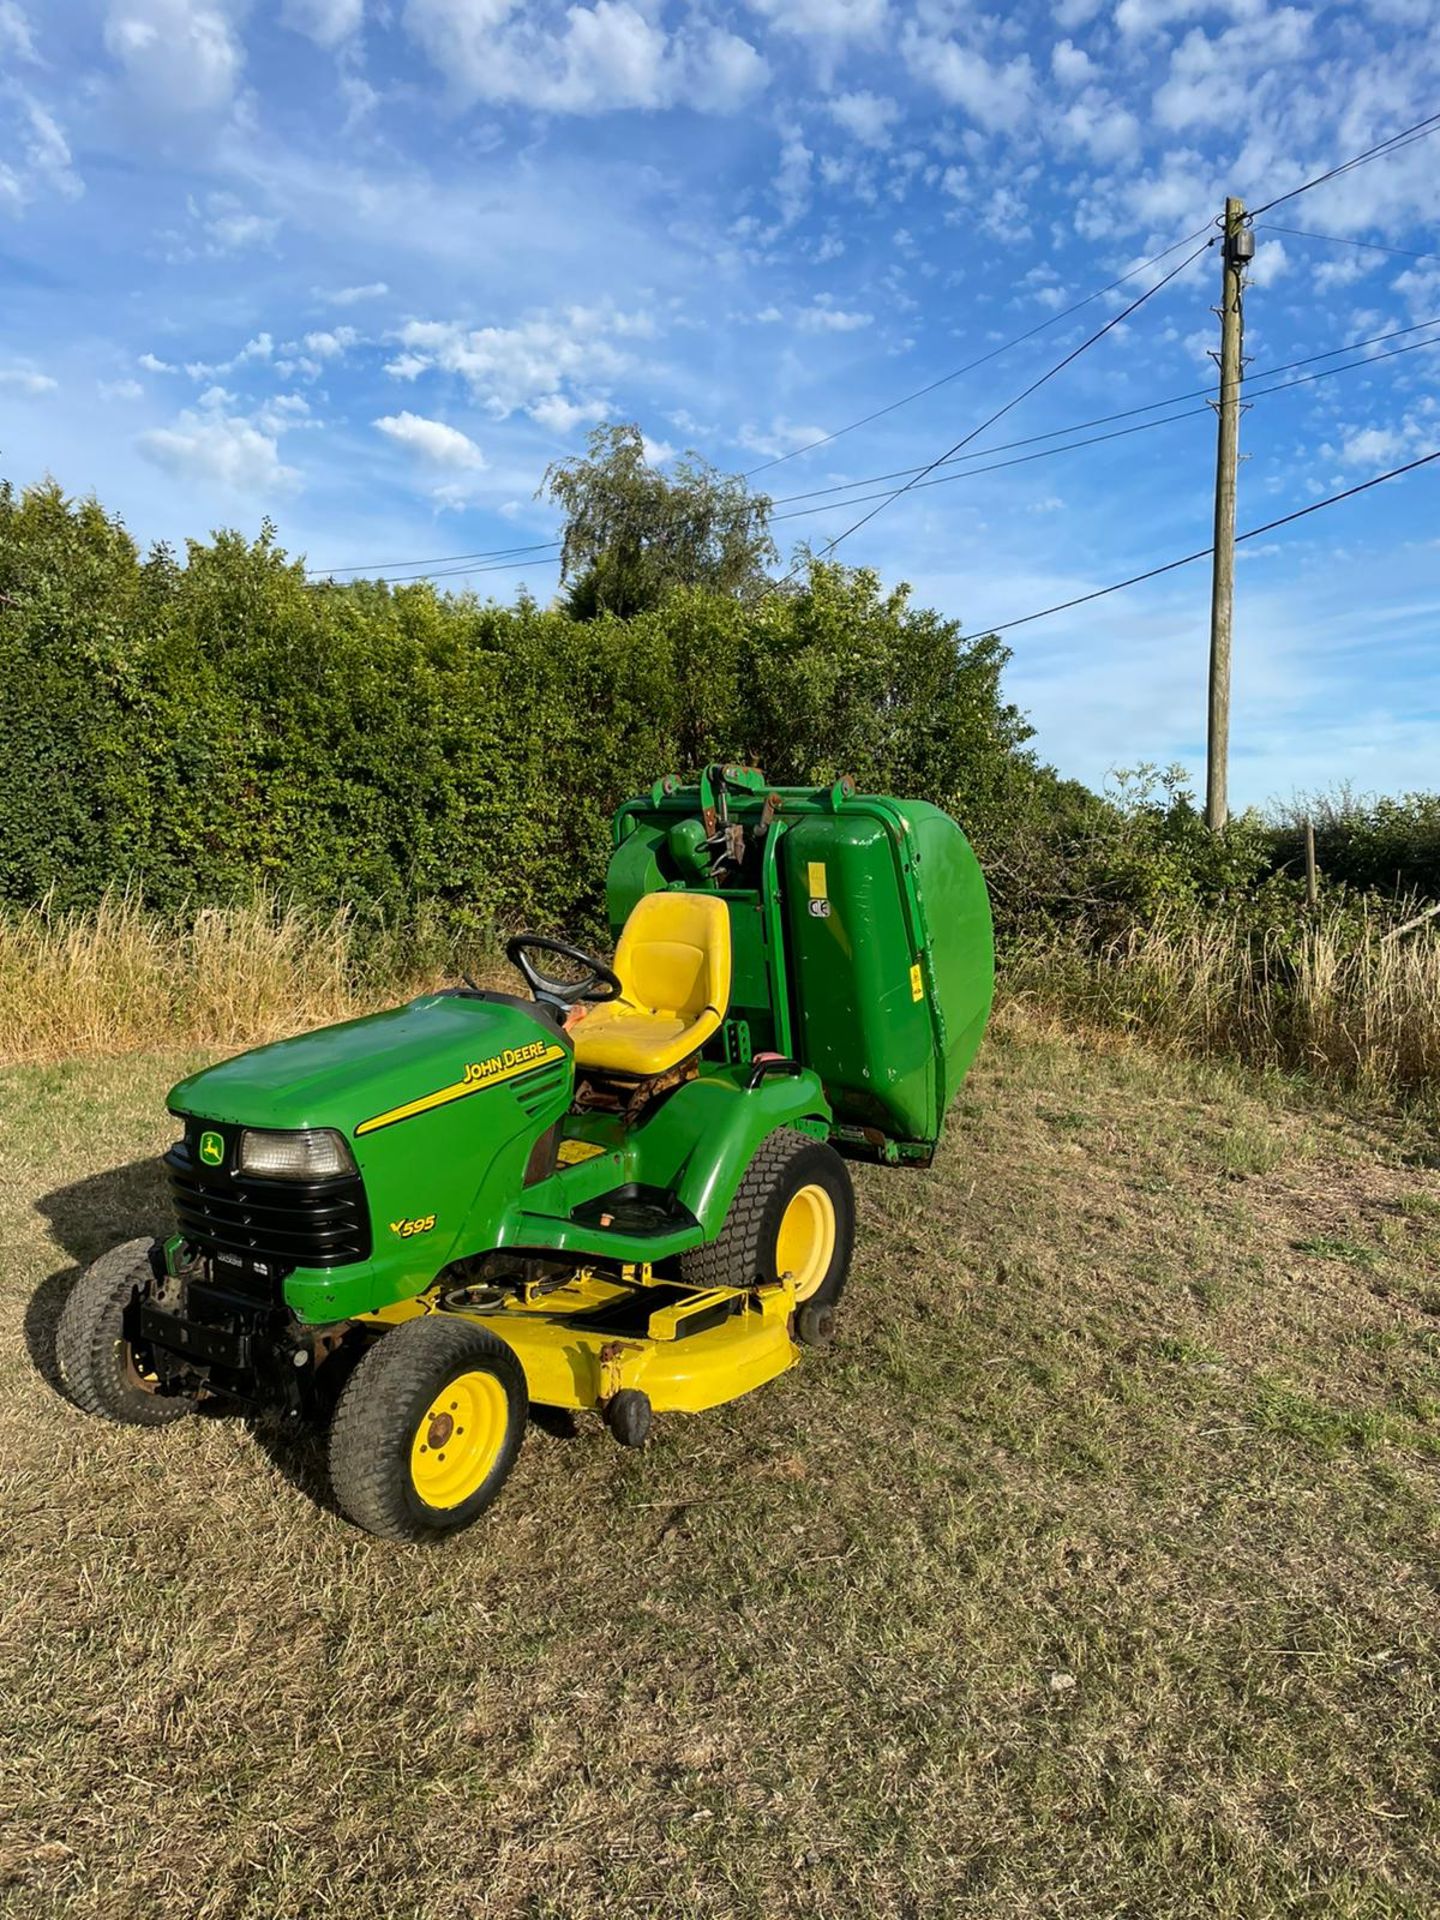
(600, 983)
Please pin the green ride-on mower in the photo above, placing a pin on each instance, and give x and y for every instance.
(626, 1192)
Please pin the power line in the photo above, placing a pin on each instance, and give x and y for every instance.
(454, 570)
(1348, 240)
(994, 354)
(824, 440)
(879, 413)
(1203, 553)
(1034, 386)
(438, 560)
(1406, 137)
(1208, 394)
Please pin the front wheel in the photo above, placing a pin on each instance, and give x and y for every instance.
(427, 1429)
(793, 1213)
(104, 1371)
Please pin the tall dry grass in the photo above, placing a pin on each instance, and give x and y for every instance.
(121, 980)
(1333, 998)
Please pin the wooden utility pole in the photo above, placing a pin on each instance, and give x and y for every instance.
(1239, 246)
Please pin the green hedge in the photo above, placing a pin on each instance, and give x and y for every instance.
(198, 732)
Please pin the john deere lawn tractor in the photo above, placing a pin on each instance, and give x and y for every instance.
(626, 1191)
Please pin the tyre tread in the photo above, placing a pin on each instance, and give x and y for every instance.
(397, 1370)
(86, 1338)
(732, 1258)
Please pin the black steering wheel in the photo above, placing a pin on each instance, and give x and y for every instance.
(599, 983)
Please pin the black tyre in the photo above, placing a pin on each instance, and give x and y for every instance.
(103, 1373)
(794, 1212)
(427, 1429)
(628, 1417)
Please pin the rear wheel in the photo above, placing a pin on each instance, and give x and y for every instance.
(427, 1429)
(793, 1213)
(104, 1373)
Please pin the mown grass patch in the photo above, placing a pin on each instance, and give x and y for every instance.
(1090, 1573)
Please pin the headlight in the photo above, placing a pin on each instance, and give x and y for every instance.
(317, 1153)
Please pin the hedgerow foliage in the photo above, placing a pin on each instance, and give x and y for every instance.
(201, 732)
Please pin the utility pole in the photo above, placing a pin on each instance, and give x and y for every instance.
(1238, 249)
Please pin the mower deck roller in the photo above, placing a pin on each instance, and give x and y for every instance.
(627, 1192)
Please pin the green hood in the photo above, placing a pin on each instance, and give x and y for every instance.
(345, 1075)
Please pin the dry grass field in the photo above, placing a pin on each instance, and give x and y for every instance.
(1091, 1573)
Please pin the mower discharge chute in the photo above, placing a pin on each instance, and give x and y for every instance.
(625, 1192)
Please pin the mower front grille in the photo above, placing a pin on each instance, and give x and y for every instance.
(279, 1223)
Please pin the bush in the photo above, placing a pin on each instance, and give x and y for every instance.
(1385, 845)
(205, 733)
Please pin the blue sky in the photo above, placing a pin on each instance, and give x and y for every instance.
(368, 265)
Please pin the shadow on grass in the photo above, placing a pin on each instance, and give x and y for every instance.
(124, 1203)
(87, 1219)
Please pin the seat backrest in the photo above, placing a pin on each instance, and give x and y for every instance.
(674, 954)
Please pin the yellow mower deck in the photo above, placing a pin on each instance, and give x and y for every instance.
(569, 1362)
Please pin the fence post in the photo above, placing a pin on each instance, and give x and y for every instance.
(1312, 877)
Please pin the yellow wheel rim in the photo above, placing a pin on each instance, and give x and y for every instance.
(805, 1245)
(459, 1439)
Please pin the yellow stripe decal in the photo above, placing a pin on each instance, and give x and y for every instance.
(479, 1076)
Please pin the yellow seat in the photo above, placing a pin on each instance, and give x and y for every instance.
(674, 966)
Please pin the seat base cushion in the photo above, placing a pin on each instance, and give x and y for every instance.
(618, 1038)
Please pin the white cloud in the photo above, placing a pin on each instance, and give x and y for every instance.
(120, 389)
(823, 318)
(218, 224)
(781, 436)
(1071, 65)
(726, 72)
(262, 347)
(239, 455)
(283, 411)
(153, 364)
(232, 231)
(868, 117)
(1201, 343)
(352, 296)
(1106, 130)
(560, 416)
(1070, 14)
(508, 368)
(180, 56)
(792, 178)
(1212, 82)
(331, 345)
(41, 154)
(26, 380)
(1419, 287)
(834, 20)
(595, 59)
(1371, 446)
(432, 441)
(1344, 270)
(1150, 16)
(1179, 194)
(15, 35)
(327, 22)
(1270, 262)
(999, 98)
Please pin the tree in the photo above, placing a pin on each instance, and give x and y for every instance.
(633, 534)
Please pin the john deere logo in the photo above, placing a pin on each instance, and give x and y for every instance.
(212, 1149)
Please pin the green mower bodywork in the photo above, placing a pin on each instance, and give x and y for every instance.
(440, 1180)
